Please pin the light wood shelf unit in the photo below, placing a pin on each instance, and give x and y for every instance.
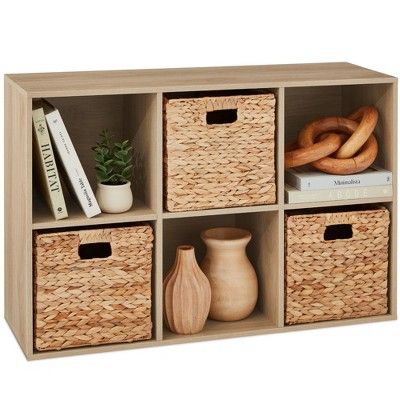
(130, 103)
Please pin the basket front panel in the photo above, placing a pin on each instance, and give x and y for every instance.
(215, 166)
(88, 302)
(336, 279)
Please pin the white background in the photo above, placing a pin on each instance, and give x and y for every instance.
(359, 362)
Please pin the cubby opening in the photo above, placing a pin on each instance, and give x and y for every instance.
(305, 104)
(262, 251)
(104, 250)
(349, 241)
(128, 117)
(213, 118)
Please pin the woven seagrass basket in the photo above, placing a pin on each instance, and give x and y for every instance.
(336, 265)
(87, 295)
(219, 152)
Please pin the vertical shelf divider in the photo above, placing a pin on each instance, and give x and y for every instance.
(145, 119)
(280, 146)
(158, 270)
(158, 280)
(281, 203)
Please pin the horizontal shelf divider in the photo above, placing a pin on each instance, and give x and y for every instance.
(260, 326)
(339, 322)
(221, 211)
(297, 206)
(101, 348)
(42, 219)
(255, 322)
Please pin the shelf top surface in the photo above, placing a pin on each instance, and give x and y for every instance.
(188, 79)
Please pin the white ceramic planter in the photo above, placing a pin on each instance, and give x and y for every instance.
(114, 199)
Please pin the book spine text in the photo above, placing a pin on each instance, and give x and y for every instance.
(72, 165)
(326, 181)
(297, 196)
(49, 177)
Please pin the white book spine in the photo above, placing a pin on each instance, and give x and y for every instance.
(326, 181)
(72, 165)
(46, 163)
(368, 192)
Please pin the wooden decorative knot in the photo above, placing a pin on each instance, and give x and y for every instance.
(337, 145)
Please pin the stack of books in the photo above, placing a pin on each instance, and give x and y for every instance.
(49, 132)
(305, 185)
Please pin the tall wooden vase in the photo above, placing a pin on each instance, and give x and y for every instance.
(187, 294)
(234, 285)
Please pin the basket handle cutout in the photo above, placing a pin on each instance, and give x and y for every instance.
(87, 251)
(338, 231)
(227, 116)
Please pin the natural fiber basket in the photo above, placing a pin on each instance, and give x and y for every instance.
(336, 265)
(82, 301)
(219, 152)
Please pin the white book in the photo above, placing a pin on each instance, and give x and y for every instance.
(71, 164)
(306, 178)
(46, 166)
(293, 195)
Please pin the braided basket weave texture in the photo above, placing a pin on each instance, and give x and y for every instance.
(81, 302)
(219, 165)
(336, 279)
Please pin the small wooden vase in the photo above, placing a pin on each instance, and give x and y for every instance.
(233, 281)
(187, 294)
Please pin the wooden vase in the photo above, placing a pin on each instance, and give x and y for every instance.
(187, 294)
(233, 281)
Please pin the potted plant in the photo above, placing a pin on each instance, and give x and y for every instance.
(114, 173)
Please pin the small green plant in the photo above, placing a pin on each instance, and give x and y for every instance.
(113, 160)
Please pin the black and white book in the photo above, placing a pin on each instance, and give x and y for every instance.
(71, 164)
(306, 178)
(293, 195)
(46, 167)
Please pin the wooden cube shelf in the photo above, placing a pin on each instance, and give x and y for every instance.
(130, 103)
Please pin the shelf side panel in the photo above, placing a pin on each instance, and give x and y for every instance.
(384, 98)
(393, 268)
(18, 215)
